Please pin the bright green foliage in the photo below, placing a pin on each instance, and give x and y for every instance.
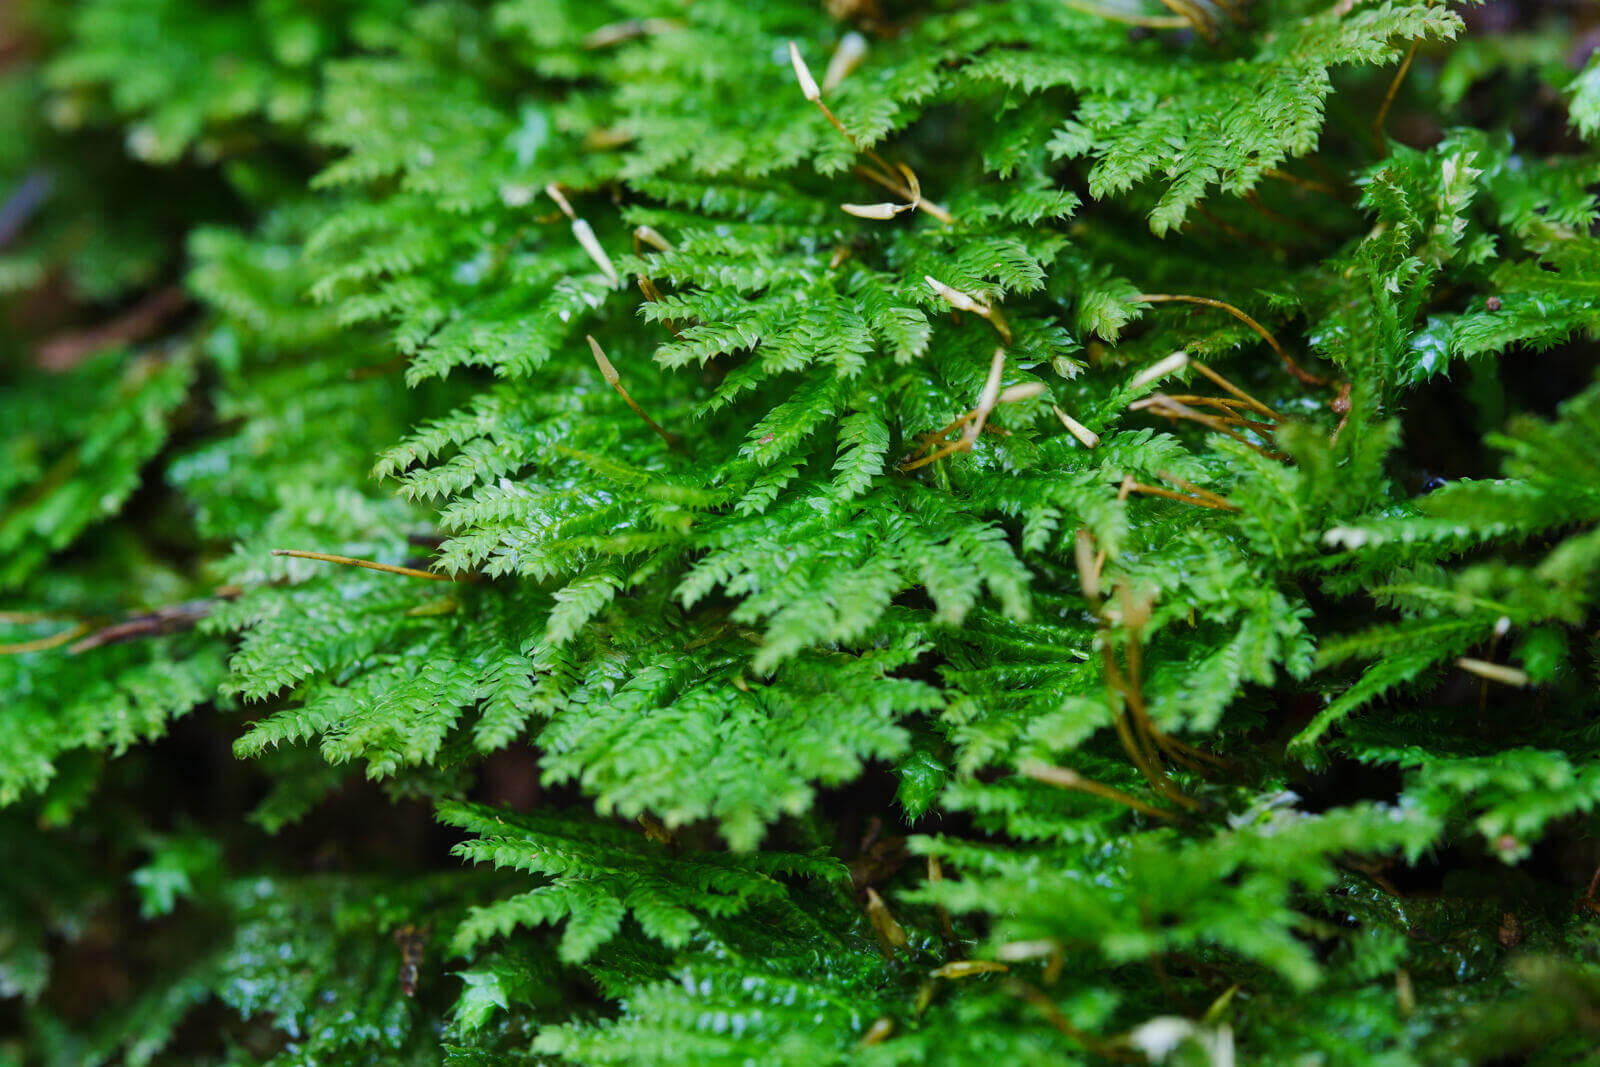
(786, 678)
(599, 874)
(75, 462)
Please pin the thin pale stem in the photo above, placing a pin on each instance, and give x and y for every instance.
(951, 449)
(1182, 498)
(1066, 778)
(901, 191)
(1145, 762)
(1221, 403)
(1169, 408)
(666, 435)
(1228, 418)
(1255, 327)
(929, 440)
(1088, 568)
(367, 564)
(997, 319)
(910, 192)
(28, 618)
(1132, 691)
(1229, 410)
(652, 294)
(609, 373)
(44, 644)
(987, 399)
(1190, 487)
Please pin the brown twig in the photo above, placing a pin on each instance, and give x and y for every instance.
(948, 450)
(1228, 411)
(1196, 490)
(166, 620)
(1133, 692)
(1233, 390)
(65, 351)
(1165, 406)
(1259, 330)
(1007, 396)
(975, 419)
(1378, 120)
(1227, 418)
(1182, 498)
(1066, 778)
(1224, 404)
(1139, 744)
(1140, 736)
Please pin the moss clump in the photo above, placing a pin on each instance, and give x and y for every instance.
(652, 532)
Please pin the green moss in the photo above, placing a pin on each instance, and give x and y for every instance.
(817, 618)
